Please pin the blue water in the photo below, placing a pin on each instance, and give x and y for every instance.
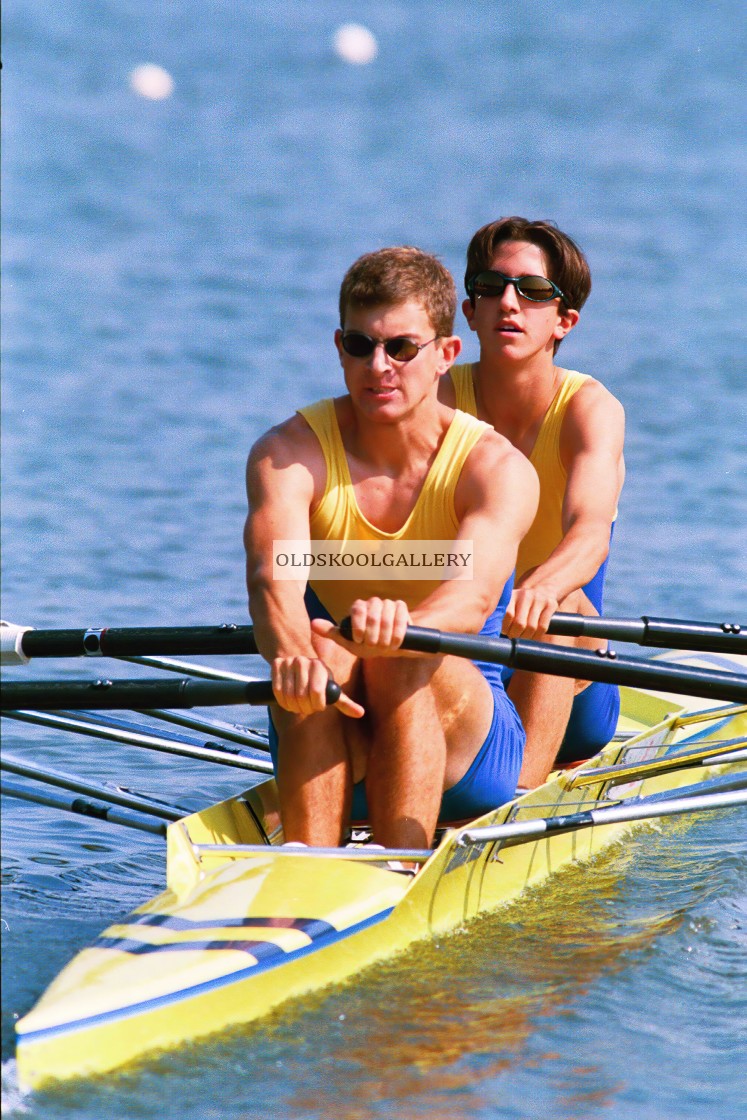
(170, 276)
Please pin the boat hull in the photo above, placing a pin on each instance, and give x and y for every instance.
(235, 934)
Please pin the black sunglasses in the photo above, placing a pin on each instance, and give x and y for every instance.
(359, 345)
(538, 289)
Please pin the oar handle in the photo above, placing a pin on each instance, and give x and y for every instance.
(606, 666)
(419, 639)
(663, 633)
(136, 694)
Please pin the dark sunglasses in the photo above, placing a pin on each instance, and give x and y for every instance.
(359, 345)
(538, 289)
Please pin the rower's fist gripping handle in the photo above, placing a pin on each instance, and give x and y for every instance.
(418, 639)
(261, 692)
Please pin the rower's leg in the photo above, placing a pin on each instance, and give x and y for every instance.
(544, 705)
(544, 702)
(428, 719)
(314, 770)
(313, 776)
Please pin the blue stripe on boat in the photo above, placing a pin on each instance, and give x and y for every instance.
(273, 961)
(312, 927)
(258, 949)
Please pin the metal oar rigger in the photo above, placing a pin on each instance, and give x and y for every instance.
(517, 832)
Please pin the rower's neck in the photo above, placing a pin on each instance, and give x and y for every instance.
(396, 448)
(515, 401)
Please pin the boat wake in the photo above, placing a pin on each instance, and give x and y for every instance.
(13, 1097)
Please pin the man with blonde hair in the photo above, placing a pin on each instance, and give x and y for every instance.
(413, 738)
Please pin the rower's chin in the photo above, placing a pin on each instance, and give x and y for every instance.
(509, 347)
(380, 404)
(509, 338)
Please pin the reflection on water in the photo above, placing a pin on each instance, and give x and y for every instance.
(470, 1002)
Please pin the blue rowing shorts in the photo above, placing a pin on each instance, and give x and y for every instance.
(592, 722)
(492, 777)
(489, 782)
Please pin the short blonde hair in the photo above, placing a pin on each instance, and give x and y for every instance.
(389, 277)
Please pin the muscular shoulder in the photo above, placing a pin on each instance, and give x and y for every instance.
(291, 440)
(287, 455)
(594, 397)
(496, 468)
(594, 417)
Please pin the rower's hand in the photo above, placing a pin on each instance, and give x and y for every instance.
(300, 683)
(529, 612)
(378, 627)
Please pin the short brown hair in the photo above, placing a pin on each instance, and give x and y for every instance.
(566, 264)
(388, 277)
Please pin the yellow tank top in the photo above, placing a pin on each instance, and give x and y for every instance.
(338, 517)
(546, 532)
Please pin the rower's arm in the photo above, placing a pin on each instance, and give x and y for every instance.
(496, 501)
(280, 490)
(591, 449)
(283, 472)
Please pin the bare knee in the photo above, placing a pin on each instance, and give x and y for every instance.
(390, 684)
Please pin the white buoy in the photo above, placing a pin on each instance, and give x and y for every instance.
(355, 43)
(152, 82)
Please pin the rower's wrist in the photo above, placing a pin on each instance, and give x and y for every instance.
(536, 582)
(295, 653)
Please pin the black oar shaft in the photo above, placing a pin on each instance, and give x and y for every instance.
(537, 657)
(70, 782)
(664, 633)
(155, 739)
(140, 640)
(137, 694)
(228, 638)
(83, 807)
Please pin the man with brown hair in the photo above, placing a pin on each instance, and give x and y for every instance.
(383, 467)
(526, 283)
